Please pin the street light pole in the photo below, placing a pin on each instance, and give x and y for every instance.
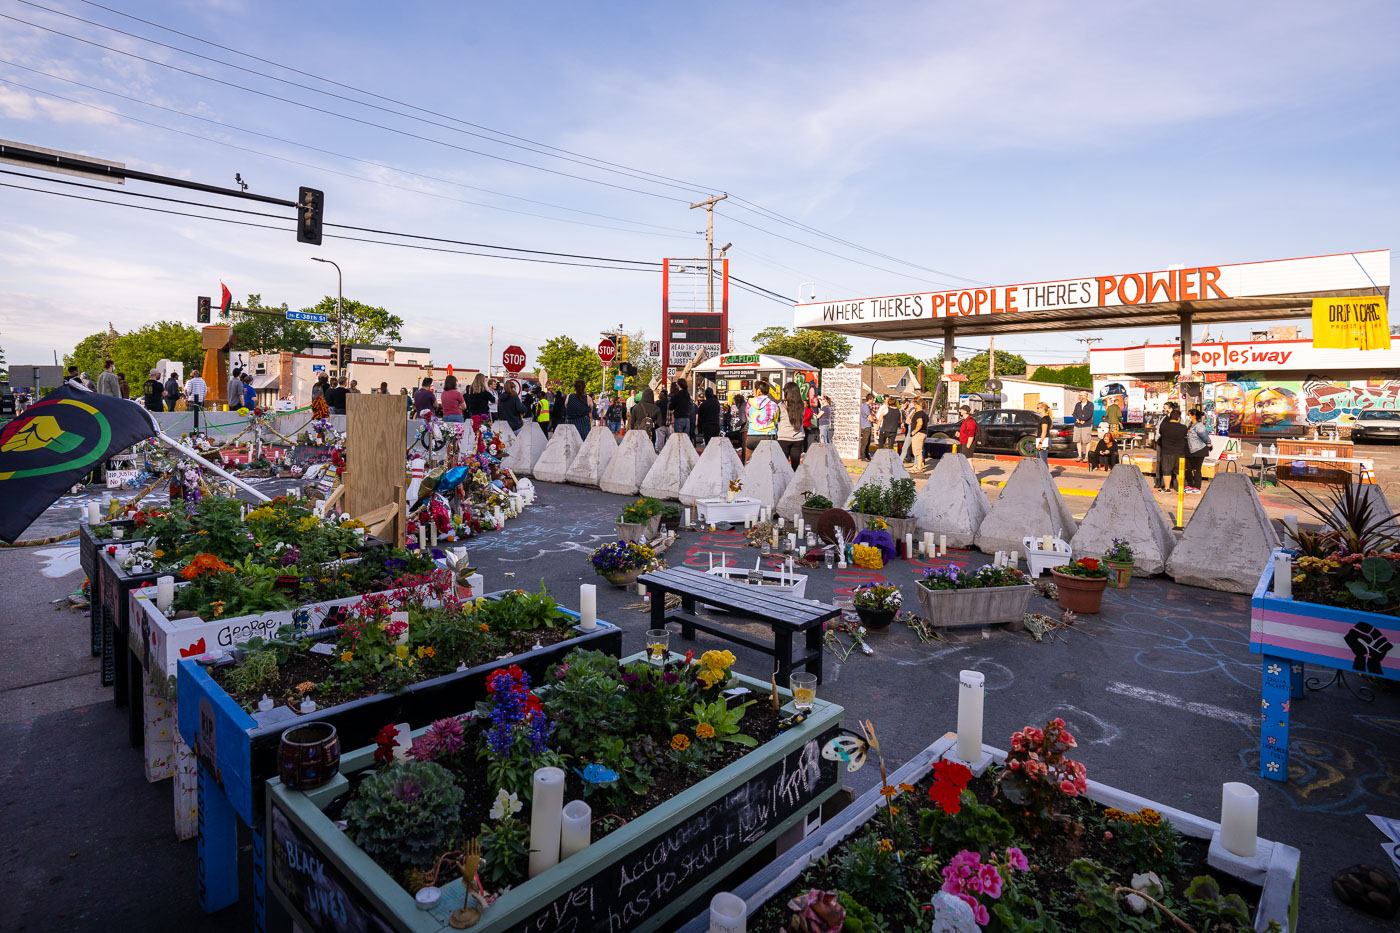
(338, 291)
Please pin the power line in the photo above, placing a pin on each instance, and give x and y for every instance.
(343, 116)
(675, 234)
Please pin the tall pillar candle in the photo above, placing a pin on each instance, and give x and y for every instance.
(546, 819)
(165, 593)
(908, 546)
(588, 607)
(970, 693)
(942, 545)
(1283, 576)
(728, 913)
(1290, 524)
(577, 831)
(1239, 819)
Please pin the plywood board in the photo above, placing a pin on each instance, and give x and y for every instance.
(375, 427)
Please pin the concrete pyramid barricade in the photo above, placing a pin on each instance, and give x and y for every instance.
(629, 465)
(526, 450)
(710, 478)
(952, 502)
(1125, 508)
(1372, 495)
(1228, 540)
(767, 475)
(561, 450)
(883, 468)
(672, 468)
(1029, 504)
(593, 458)
(821, 472)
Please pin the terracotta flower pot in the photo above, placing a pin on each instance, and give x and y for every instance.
(1079, 594)
(308, 755)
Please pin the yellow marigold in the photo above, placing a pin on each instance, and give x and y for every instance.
(426, 651)
(159, 553)
(401, 651)
(886, 845)
(680, 742)
(906, 787)
(483, 627)
(888, 791)
(1150, 816)
(705, 731)
(348, 656)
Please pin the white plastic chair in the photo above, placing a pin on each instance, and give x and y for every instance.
(1038, 560)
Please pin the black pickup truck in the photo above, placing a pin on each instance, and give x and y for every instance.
(1006, 430)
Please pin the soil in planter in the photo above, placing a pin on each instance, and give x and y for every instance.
(305, 666)
(1051, 885)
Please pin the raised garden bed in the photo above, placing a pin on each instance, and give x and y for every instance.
(1268, 885)
(965, 604)
(638, 877)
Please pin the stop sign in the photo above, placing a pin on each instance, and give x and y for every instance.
(513, 359)
(606, 351)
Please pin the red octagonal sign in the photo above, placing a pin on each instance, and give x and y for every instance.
(513, 359)
(606, 351)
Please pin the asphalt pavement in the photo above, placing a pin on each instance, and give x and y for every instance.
(1160, 690)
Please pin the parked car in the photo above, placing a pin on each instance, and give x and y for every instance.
(1005, 430)
(1376, 425)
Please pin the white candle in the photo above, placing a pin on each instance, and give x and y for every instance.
(970, 692)
(422, 536)
(1283, 576)
(908, 546)
(792, 542)
(165, 593)
(781, 521)
(942, 545)
(799, 527)
(685, 518)
(307, 706)
(1047, 542)
(763, 514)
(588, 607)
(93, 515)
(1015, 558)
(118, 533)
(266, 704)
(748, 523)
(928, 541)
(546, 819)
(577, 831)
(711, 556)
(403, 741)
(1239, 819)
(727, 913)
(1290, 524)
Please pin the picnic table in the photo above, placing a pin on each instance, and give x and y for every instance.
(787, 615)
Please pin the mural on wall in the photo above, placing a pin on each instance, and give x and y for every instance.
(1257, 401)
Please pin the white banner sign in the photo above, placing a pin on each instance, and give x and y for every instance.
(843, 385)
(683, 353)
(1262, 355)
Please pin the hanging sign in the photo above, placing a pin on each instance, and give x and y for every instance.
(1362, 323)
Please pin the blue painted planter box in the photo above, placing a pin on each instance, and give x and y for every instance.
(638, 878)
(1290, 633)
(237, 755)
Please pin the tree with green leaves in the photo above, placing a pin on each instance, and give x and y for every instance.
(1008, 364)
(820, 348)
(360, 323)
(266, 333)
(137, 353)
(893, 359)
(565, 360)
(1065, 375)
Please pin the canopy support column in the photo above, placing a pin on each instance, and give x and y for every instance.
(1190, 389)
(949, 355)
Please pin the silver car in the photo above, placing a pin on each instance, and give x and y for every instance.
(1376, 426)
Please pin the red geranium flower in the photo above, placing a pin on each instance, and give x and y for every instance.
(1090, 563)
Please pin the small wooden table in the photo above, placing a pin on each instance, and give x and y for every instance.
(787, 615)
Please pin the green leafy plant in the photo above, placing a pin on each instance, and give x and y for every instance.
(1374, 587)
(505, 849)
(871, 873)
(974, 826)
(1087, 567)
(641, 511)
(405, 815)
(1350, 510)
(1119, 551)
(1146, 838)
(816, 501)
(1223, 912)
(884, 597)
(257, 672)
(722, 721)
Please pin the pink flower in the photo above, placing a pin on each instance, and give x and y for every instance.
(990, 880)
(1068, 788)
(1058, 723)
(1107, 835)
(1018, 742)
(1068, 739)
(1017, 859)
(1014, 764)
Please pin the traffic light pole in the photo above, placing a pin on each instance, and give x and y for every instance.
(338, 281)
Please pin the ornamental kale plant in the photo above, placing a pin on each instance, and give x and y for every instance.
(405, 815)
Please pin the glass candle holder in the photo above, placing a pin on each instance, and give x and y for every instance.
(657, 641)
(766, 550)
(804, 691)
(830, 558)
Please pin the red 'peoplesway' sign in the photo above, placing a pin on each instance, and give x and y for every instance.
(513, 359)
(606, 351)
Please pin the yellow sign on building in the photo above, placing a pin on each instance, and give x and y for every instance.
(1360, 323)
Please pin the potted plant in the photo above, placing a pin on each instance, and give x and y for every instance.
(621, 562)
(640, 521)
(813, 506)
(1119, 558)
(889, 501)
(670, 516)
(877, 603)
(1081, 584)
(952, 597)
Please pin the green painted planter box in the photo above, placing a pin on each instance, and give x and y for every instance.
(638, 878)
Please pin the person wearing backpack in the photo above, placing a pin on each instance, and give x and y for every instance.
(644, 414)
(1197, 446)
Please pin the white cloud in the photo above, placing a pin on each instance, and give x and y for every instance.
(16, 104)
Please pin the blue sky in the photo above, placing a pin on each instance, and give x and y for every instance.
(1000, 143)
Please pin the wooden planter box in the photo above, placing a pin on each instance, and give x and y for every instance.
(988, 605)
(89, 548)
(640, 532)
(1289, 633)
(1275, 869)
(638, 878)
(236, 751)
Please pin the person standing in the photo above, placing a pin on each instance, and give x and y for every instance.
(1083, 426)
(233, 397)
(121, 384)
(354, 387)
(617, 409)
(107, 383)
(556, 409)
(152, 392)
(321, 386)
(1113, 414)
(762, 416)
(1042, 438)
(509, 409)
(867, 420)
(541, 412)
(918, 432)
(887, 417)
(825, 411)
(709, 416)
(644, 414)
(195, 390)
(967, 433)
(1171, 448)
(250, 397)
(739, 426)
(424, 398)
(681, 407)
(578, 409)
(335, 396)
(74, 378)
(172, 391)
(479, 398)
(1197, 446)
(453, 402)
(791, 433)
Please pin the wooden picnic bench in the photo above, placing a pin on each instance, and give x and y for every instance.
(788, 615)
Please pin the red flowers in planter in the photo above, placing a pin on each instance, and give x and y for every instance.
(1038, 772)
(949, 779)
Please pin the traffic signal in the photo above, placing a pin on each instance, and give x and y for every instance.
(309, 205)
(622, 348)
(201, 313)
(344, 357)
(627, 369)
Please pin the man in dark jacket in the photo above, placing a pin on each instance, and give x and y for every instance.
(172, 391)
(1171, 447)
(424, 397)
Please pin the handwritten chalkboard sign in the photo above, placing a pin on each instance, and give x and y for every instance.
(620, 896)
(844, 387)
(305, 454)
(326, 900)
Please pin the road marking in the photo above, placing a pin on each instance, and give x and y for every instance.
(1200, 709)
(1067, 492)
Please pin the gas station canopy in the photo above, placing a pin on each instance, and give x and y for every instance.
(1254, 291)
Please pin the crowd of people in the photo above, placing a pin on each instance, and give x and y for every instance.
(160, 391)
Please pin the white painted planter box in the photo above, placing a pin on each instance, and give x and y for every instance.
(772, 580)
(987, 605)
(721, 510)
(1274, 867)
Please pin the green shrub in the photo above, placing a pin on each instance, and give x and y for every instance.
(405, 816)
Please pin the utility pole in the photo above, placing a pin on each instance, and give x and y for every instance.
(992, 357)
(1088, 345)
(490, 351)
(709, 205)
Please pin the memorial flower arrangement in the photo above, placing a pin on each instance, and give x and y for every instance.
(1354, 560)
(867, 557)
(620, 557)
(1087, 567)
(958, 578)
(1019, 848)
(883, 597)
